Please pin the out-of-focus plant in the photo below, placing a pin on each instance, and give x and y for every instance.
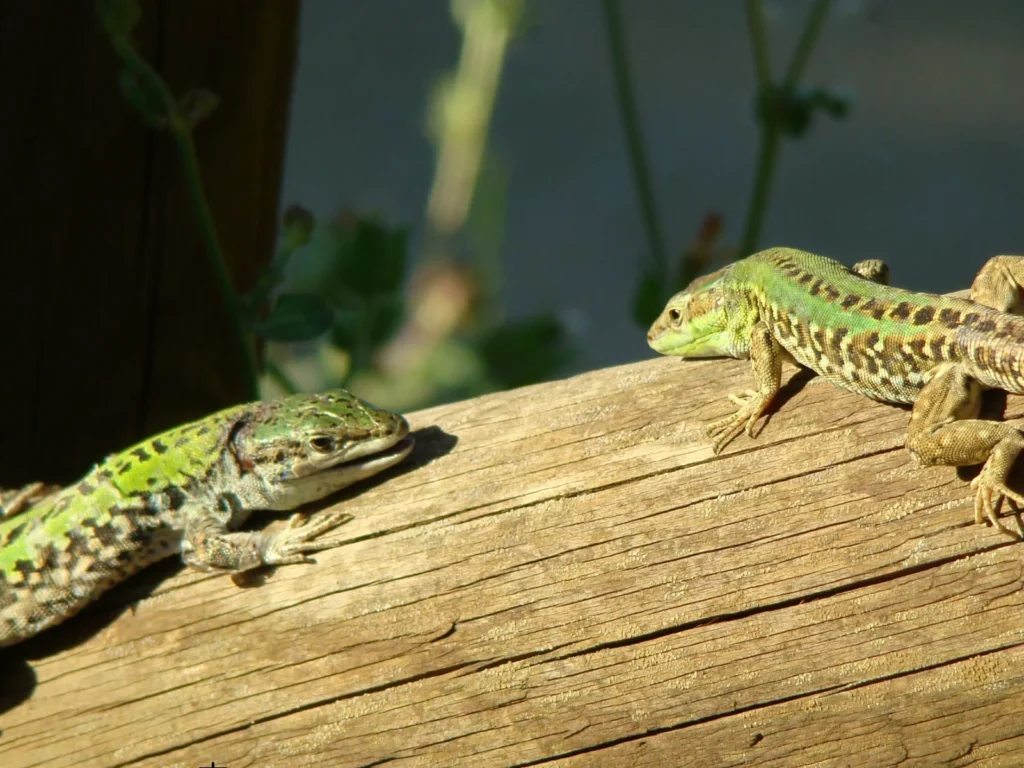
(405, 337)
(279, 316)
(783, 109)
(338, 304)
(704, 250)
(145, 90)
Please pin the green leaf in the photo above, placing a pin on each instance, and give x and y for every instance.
(375, 258)
(836, 103)
(197, 105)
(297, 230)
(361, 331)
(299, 225)
(347, 330)
(118, 17)
(525, 352)
(295, 317)
(270, 277)
(385, 317)
(792, 110)
(353, 260)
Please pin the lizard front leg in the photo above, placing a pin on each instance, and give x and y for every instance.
(766, 360)
(208, 546)
(943, 430)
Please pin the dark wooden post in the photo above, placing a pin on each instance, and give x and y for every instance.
(110, 322)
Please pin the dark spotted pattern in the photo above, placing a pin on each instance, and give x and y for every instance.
(875, 339)
(901, 311)
(66, 549)
(924, 315)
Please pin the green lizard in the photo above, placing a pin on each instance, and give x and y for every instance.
(892, 345)
(187, 490)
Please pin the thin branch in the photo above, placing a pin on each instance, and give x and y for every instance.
(634, 139)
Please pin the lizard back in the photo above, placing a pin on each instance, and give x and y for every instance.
(62, 551)
(877, 340)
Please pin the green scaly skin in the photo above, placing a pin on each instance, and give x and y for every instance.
(188, 490)
(892, 345)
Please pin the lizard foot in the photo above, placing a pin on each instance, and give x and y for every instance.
(724, 431)
(296, 542)
(988, 499)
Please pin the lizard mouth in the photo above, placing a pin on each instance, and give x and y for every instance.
(376, 462)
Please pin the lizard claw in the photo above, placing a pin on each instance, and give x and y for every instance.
(744, 398)
(724, 431)
(299, 539)
(988, 500)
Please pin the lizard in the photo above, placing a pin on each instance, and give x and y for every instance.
(187, 491)
(936, 353)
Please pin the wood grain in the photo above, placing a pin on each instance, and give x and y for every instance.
(578, 581)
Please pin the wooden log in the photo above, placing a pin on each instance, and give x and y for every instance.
(565, 574)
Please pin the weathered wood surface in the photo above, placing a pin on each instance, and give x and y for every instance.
(580, 582)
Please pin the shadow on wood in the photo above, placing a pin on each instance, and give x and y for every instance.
(581, 582)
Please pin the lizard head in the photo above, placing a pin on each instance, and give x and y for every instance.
(308, 446)
(695, 322)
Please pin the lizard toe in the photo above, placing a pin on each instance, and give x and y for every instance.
(989, 502)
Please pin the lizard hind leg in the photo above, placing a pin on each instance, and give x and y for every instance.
(943, 430)
(875, 270)
(999, 284)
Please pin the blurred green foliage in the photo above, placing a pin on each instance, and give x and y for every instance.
(341, 303)
(146, 91)
(359, 267)
(783, 110)
(407, 339)
(344, 302)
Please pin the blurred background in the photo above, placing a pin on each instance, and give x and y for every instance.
(427, 200)
(924, 171)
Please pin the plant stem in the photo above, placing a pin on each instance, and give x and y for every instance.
(771, 135)
(808, 37)
(634, 140)
(193, 181)
(769, 145)
(759, 43)
(180, 129)
(758, 205)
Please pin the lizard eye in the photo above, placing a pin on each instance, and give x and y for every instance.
(674, 315)
(322, 444)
